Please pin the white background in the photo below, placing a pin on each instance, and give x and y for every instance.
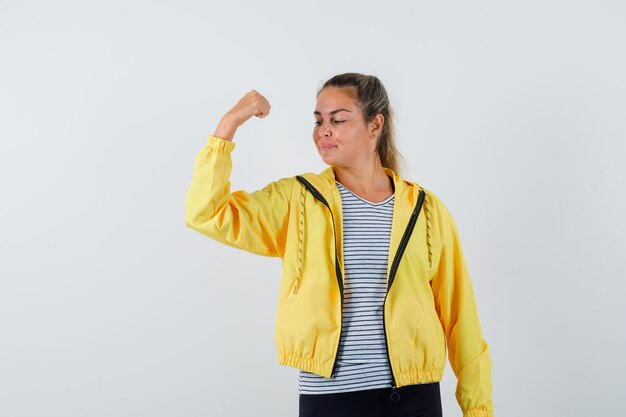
(513, 113)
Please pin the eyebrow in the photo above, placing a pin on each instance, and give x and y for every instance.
(332, 112)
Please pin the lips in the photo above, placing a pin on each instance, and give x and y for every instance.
(326, 147)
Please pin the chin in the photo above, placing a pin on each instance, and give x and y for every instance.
(329, 161)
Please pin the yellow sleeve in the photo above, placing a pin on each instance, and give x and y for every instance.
(253, 221)
(468, 351)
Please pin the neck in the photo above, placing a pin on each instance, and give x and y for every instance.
(366, 179)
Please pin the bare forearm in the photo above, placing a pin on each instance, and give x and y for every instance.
(226, 128)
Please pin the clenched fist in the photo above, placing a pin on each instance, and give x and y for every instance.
(251, 104)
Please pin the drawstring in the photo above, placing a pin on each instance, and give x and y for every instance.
(300, 241)
(427, 211)
(301, 235)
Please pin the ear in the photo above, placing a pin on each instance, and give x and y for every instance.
(376, 125)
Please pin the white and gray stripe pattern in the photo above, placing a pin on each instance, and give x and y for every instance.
(362, 358)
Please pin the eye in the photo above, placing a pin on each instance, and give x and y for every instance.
(336, 122)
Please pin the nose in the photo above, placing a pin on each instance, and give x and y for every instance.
(324, 129)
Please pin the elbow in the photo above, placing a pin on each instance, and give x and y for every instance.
(193, 218)
(188, 222)
(190, 217)
(197, 214)
(191, 223)
(203, 221)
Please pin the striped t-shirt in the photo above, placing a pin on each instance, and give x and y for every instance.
(362, 357)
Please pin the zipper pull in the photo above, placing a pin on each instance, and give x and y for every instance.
(395, 396)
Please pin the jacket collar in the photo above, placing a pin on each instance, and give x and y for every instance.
(406, 194)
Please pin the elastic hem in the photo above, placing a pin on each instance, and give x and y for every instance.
(220, 144)
(419, 376)
(310, 365)
(324, 369)
(478, 412)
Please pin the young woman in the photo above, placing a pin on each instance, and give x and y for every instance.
(375, 290)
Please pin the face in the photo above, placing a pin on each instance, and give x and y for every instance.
(341, 136)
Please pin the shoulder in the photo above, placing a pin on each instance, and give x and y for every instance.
(439, 214)
(436, 202)
(282, 186)
(431, 199)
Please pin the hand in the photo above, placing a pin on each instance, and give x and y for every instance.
(251, 104)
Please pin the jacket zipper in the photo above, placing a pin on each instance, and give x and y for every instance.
(338, 274)
(395, 396)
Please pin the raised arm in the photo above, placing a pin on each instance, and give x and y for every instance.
(253, 221)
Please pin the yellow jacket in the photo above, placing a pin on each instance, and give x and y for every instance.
(429, 310)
